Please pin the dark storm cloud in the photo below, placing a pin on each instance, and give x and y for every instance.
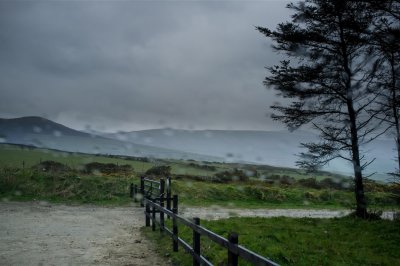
(133, 64)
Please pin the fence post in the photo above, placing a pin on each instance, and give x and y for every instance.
(147, 212)
(142, 190)
(162, 195)
(168, 194)
(174, 224)
(233, 238)
(153, 218)
(131, 191)
(135, 192)
(196, 242)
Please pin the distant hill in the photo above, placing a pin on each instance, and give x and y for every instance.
(275, 147)
(44, 133)
(15, 127)
(278, 148)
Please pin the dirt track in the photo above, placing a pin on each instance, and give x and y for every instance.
(215, 213)
(45, 234)
(38, 233)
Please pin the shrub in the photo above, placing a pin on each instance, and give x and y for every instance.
(331, 183)
(229, 176)
(309, 183)
(107, 168)
(161, 170)
(51, 166)
(203, 166)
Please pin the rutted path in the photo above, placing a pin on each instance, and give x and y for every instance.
(215, 213)
(33, 233)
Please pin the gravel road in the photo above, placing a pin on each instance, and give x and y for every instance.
(38, 233)
(215, 213)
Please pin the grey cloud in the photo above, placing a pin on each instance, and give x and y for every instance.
(141, 63)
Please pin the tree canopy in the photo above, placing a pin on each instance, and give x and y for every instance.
(330, 77)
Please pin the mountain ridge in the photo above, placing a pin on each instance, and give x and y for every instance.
(44, 133)
(277, 148)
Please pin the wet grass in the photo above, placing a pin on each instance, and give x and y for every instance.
(75, 186)
(17, 183)
(297, 241)
(263, 195)
(68, 187)
(14, 156)
(18, 156)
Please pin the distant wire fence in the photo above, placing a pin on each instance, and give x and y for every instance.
(155, 194)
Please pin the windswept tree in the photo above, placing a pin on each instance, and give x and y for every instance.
(385, 45)
(328, 77)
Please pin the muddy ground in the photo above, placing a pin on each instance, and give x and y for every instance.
(44, 234)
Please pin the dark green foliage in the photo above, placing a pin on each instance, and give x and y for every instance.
(229, 176)
(129, 158)
(107, 168)
(203, 166)
(310, 183)
(326, 183)
(159, 171)
(51, 166)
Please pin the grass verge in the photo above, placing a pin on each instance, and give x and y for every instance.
(294, 241)
(67, 187)
(262, 195)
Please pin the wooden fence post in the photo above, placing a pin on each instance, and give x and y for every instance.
(147, 212)
(142, 191)
(233, 238)
(131, 191)
(174, 224)
(168, 185)
(153, 218)
(196, 242)
(162, 195)
(135, 193)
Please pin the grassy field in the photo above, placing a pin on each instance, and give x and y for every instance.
(291, 241)
(262, 187)
(281, 188)
(68, 187)
(75, 186)
(16, 156)
(261, 195)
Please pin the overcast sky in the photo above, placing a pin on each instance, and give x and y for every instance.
(131, 65)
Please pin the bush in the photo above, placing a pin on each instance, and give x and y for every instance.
(309, 183)
(51, 166)
(162, 170)
(331, 183)
(107, 168)
(203, 166)
(229, 176)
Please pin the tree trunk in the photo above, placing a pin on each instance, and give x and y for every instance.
(361, 204)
